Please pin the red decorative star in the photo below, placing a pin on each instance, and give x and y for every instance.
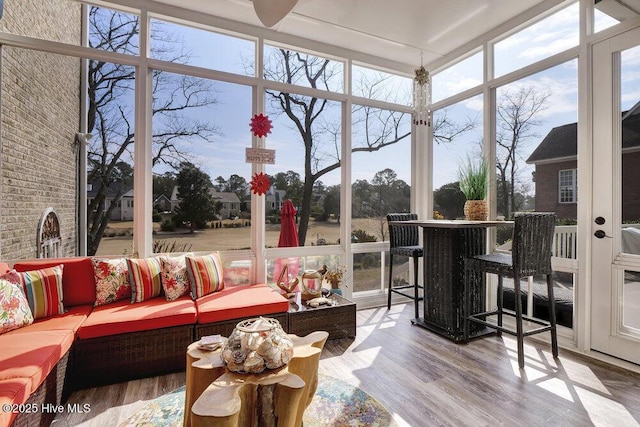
(260, 125)
(260, 183)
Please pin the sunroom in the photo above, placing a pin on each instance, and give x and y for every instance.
(112, 110)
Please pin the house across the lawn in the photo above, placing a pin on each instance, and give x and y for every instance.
(556, 164)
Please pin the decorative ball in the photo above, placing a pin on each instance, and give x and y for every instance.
(255, 345)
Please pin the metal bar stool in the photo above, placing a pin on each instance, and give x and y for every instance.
(404, 241)
(531, 256)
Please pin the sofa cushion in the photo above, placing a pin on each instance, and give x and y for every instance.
(78, 283)
(14, 307)
(175, 280)
(145, 278)
(112, 280)
(239, 301)
(205, 274)
(33, 355)
(13, 391)
(69, 321)
(43, 289)
(122, 317)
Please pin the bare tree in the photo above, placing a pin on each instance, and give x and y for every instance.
(516, 119)
(110, 113)
(319, 129)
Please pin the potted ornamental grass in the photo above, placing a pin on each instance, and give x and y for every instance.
(472, 177)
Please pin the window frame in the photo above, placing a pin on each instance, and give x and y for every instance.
(573, 186)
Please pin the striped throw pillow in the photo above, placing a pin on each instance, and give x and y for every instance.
(205, 274)
(43, 289)
(145, 276)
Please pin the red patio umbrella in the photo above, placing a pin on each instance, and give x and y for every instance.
(288, 230)
(288, 239)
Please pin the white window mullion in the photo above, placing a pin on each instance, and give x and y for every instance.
(143, 153)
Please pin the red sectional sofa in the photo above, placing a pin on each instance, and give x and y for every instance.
(90, 346)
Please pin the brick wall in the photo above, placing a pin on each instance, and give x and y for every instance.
(39, 111)
(547, 198)
(547, 188)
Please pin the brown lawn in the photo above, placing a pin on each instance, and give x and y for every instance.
(226, 238)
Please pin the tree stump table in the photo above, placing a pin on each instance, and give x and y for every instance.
(216, 396)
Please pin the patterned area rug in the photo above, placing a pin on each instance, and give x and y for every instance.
(335, 403)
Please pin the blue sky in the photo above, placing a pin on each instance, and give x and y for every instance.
(233, 112)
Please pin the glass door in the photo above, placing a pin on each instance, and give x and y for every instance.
(615, 260)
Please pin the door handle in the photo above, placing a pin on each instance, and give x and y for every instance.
(601, 234)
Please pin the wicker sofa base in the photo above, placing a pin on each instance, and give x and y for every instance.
(51, 392)
(225, 327)
(123, 357)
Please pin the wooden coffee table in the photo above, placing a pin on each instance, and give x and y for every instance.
(217, 397)
(338, 319)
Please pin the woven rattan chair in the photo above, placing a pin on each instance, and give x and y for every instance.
(404, 241)
(530, 256)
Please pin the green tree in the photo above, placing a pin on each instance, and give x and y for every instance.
(196, 201)
(291, 184)
(331, 202)
(361, 197)
(448, 200)
(163, 184)
(220, 184)
(390, 194)
(240, 187)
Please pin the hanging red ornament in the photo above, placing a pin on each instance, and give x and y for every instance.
(260, 125)
(260, 183)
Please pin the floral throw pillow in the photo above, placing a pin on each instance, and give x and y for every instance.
(112, 280)
(175, 280)
(14, 308)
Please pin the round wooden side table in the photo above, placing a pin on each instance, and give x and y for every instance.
(217, 396)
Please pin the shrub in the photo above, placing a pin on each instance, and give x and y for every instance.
(167, 225)
(164, 246)
(361, 236)
(156, 217)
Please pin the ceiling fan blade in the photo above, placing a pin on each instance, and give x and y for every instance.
(270, 12)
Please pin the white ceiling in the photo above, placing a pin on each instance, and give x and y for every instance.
(394, 29)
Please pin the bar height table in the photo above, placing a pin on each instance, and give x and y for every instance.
(446, 245)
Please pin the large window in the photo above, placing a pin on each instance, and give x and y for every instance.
(568, 186)
(551, 35)
(380, 85)
(457, 138)
(536, 135)
(110, 159)
(457, 78)
(201, 48)
(307, 138)
(282, 64)
(201, 180)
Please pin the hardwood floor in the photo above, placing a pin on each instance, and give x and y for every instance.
(426, 380)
